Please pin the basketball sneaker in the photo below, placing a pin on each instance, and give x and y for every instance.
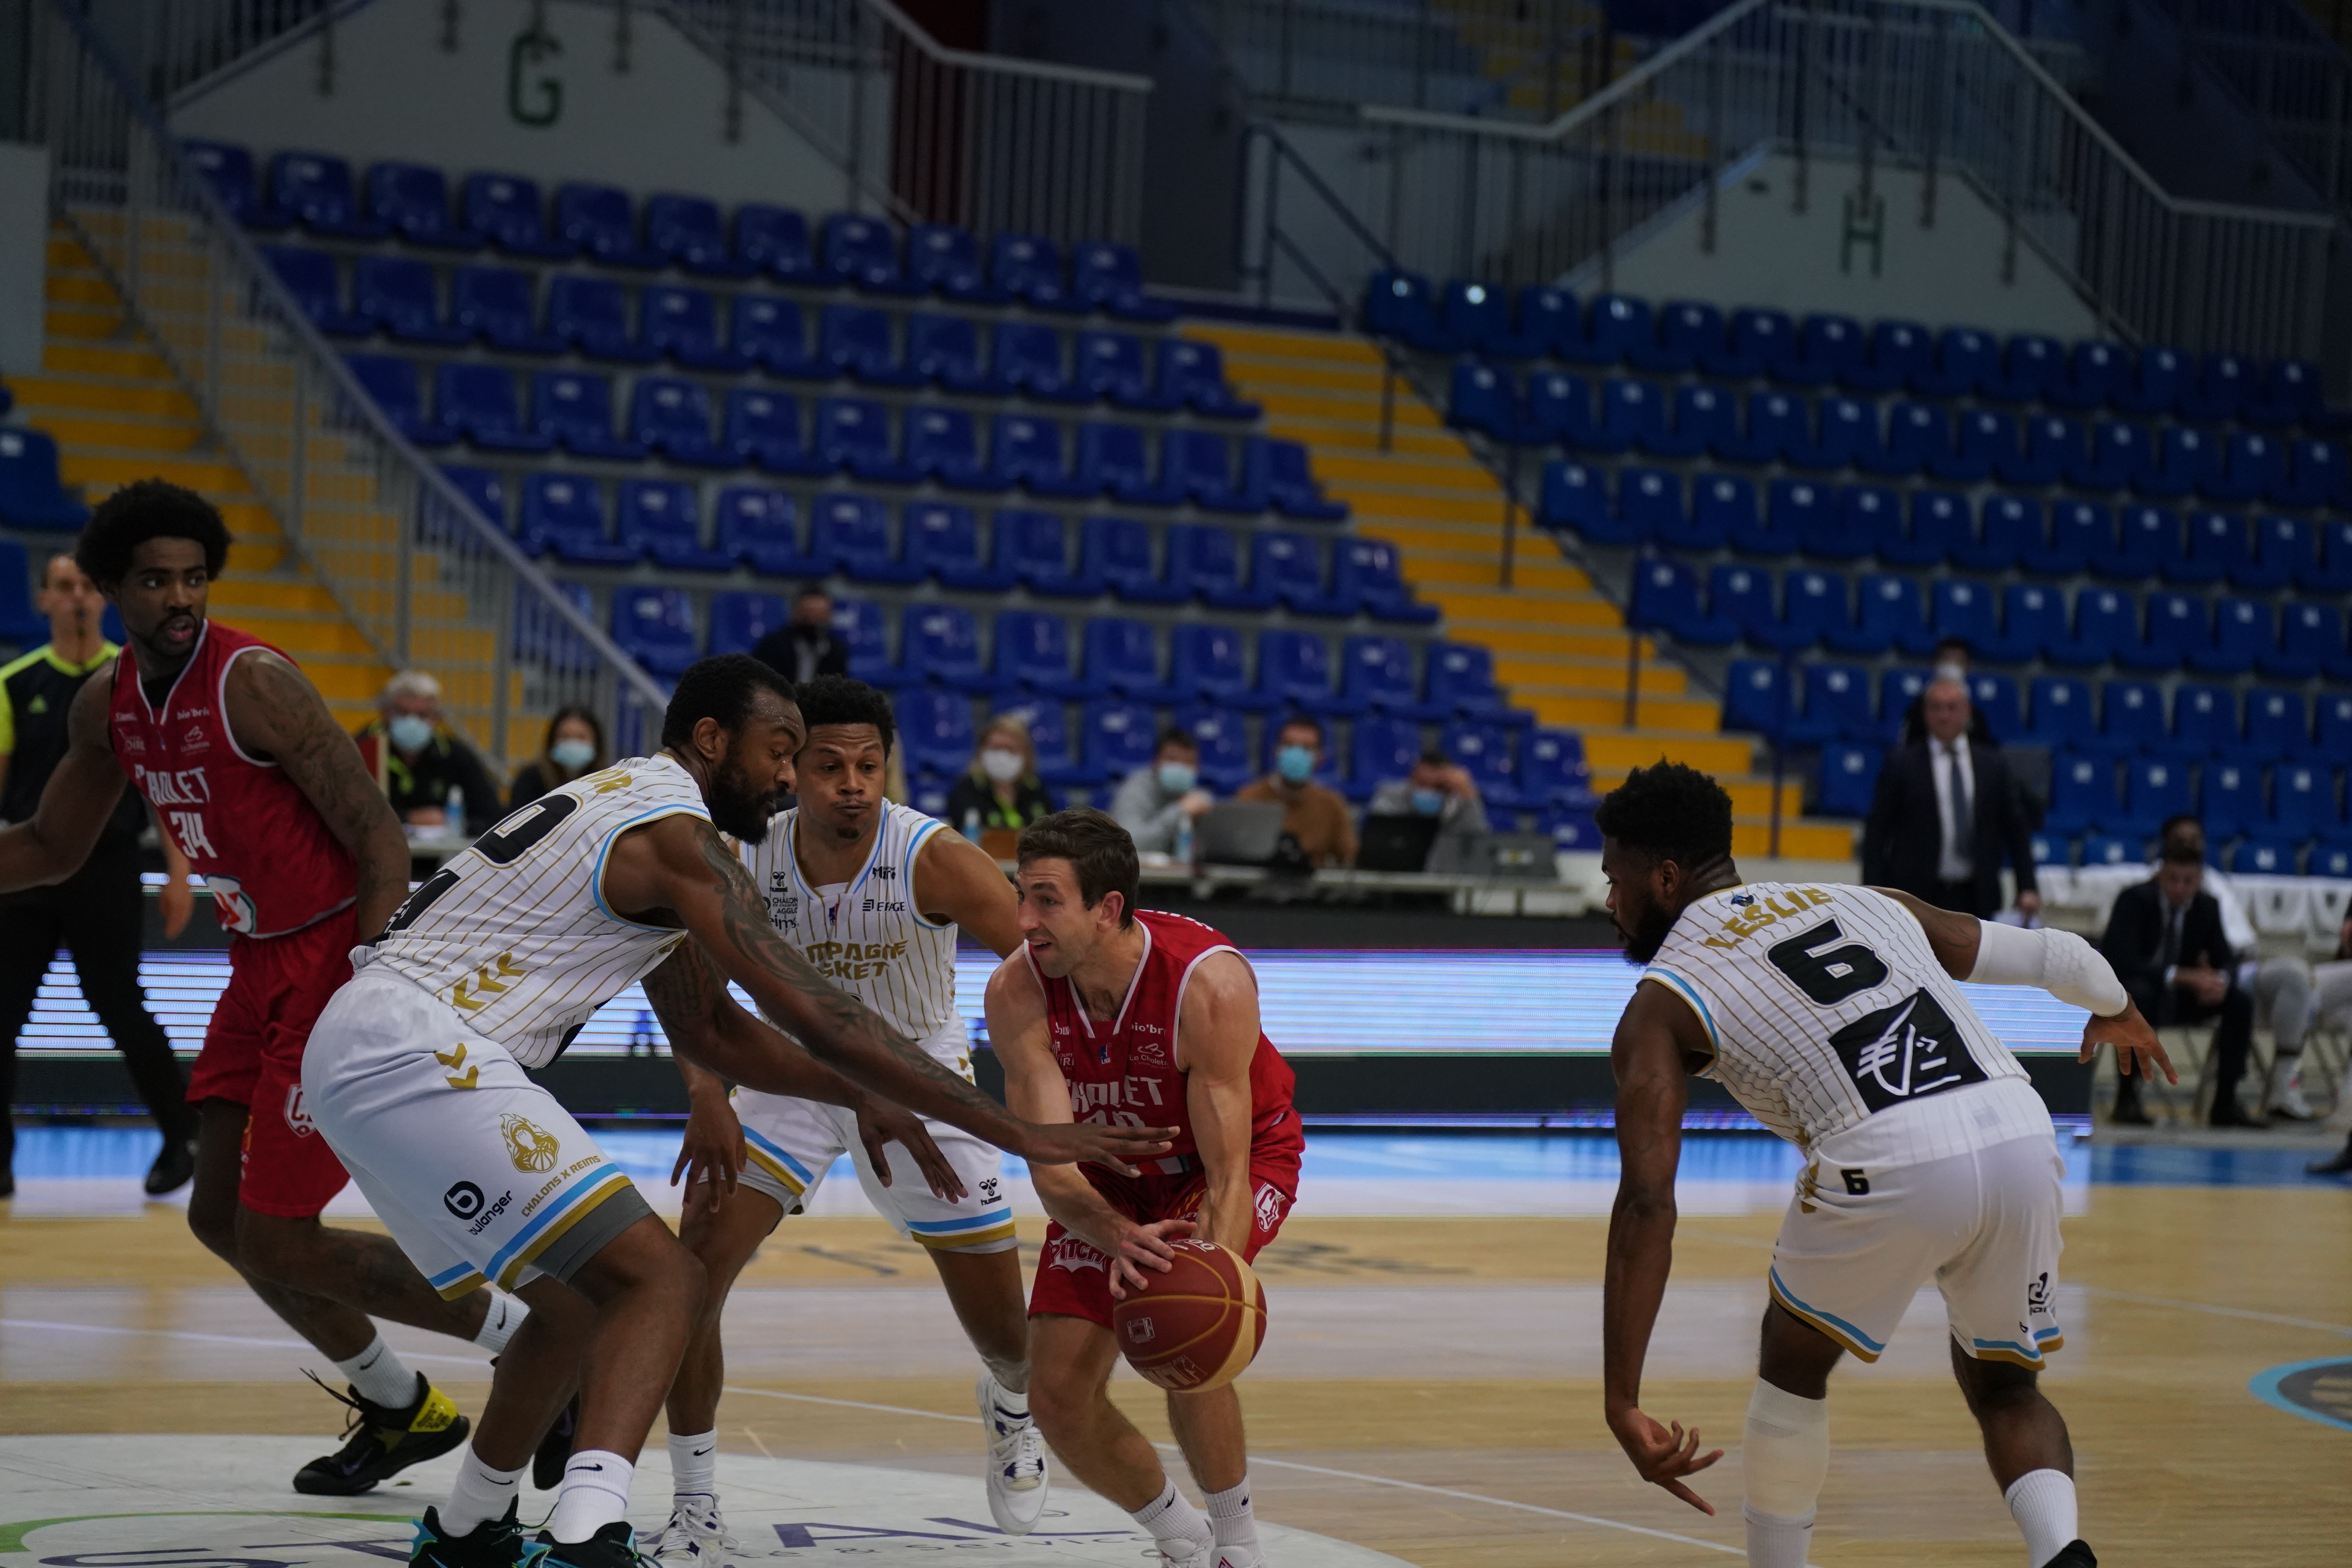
(381, 1441)
(2076, 1554)
(1017, 1463)
(493, 1543)
(614, 1546)
(695, 1535)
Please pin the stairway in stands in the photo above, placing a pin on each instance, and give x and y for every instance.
(118, 414)
(1559, 647)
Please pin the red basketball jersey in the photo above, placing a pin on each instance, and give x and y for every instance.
(245, 828)
(1124, 1072)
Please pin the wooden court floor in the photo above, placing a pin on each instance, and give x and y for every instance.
(1431, 1387)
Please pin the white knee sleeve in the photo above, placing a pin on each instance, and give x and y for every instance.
(1786, 1455)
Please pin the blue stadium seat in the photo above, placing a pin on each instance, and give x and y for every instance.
(1208, 664)
(1462, 677)
(1575, 496)
(1224, 739)
(1755, 697)
(1379, 749)
(2230, 799)
(1027, 451)
(1484, 752)
(1834, 526)
(1744, 596)
(2106, 623)
(1777, 424)
(566, 513)
(1193, 373)
(1620, 329)
(592, 315)
(1480, 318)
(1294, 671)
(1032, 546)
(1109, 277)
(576, 411)
(1837, 706)
(2063, 712)
(2080, 533)
(2284, 548)
(853, 533)
(671, 415)
(1689, 332)
(1560, 409)
(1985, 446)
(1480, 397)
(1291, 564)
(2186, 458)
(2315, 473)
(1849, 780)
(2248, 467)
(1029, 267)
(1704, 418)
(936, 726)
(689, 232)
(2029, 367)
(762, 528)
(2332, 574)
(1110, 366)
(310, 278)
(1918, 438)
(859, 623)
(1199, 466)
(2223, 383)
(1278, 471)
(944, 540)
(941, 644)
(1897, 350)
(1650, 504)
(2054, 448)
(229, 170)
(1550, 319)
(764, 427)
(1967, 609)
(1116, 458)
(482, 487)
(656, 627)
(660, 518)
(1116, 553)
(599, 220)
(2083, 795)
(1205, 561)
(1827, 347)
(943, 444)
(2204, 721)
(1666, 597)
(1844, 429)
(2266, 855)
(770, 332)
(397, 294)
(479, 403)
(1940, 524)
(2302, 803)
(494, 304)
(854, 433)
(1633, 414)
(856, 341)
(1794, 509)
(2148, 540)
(2218, 546)
(2278, 726)
(1965, 359)
(1379, 674)
(2177, 628)
(1898, 689)
(509, 210)
(947, 350)
(1121, 737)
(2131, 717)
(2332, 737)
(1123, 656)
(1049, 737)
(2154, 788)
(1996, 699)
(1756, 343)
(2311, 639)
(318, 189)
(2119, 456)
(741, 619)
(684, 324)
(2291, 393)
(392, 385)
(2007, 527)
(864, 250)
(2093, 373)
(2033, 619)
(2114, 849)
(1366, 572)
(1889, 606)
(945, 258)
(2244, 633)
(1553, 770)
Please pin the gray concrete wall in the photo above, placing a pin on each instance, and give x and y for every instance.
(24, 254)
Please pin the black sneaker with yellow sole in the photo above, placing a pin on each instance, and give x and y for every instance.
(383, 1441)
(493, 1543)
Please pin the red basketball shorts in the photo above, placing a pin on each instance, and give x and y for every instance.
(253, 1055)
(1074, 1278)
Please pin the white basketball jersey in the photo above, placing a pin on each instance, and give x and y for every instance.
(514, 933)
(866, 934)
(1828, 1011)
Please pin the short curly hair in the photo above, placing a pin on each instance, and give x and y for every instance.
(144, 509)
(1668, 811)
(838, 700)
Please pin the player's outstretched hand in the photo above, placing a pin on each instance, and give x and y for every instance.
(882, 1121)
(1146, 1246)
(712, 1151)
(1087, 1142)
(1662, 1455)
(2136, 1047)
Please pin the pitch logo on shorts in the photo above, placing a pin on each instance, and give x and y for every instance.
(1072, 1256)
(1269, 1205)
(297, 1117)
(529, 1145)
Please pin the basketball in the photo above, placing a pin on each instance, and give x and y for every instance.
(1196, 1327)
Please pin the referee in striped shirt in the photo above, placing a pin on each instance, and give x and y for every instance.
(100, 911)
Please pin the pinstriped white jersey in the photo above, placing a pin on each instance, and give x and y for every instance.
(514, 933)
(1829, 1012)
(866, 934)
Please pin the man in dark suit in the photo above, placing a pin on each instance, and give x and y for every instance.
(2166, 945)
(1946, 810)
(806, 647)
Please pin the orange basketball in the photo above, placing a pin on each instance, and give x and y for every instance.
(1196, 1327)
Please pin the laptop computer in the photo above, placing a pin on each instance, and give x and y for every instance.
(1238, 833)
(1397, 843)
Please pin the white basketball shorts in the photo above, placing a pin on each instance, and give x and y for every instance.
(792, 1142)
(478, 1172)
(1983, 1226)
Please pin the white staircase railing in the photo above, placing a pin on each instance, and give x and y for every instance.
(425, 577)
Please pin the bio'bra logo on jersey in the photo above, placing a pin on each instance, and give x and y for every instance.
(529, 1145)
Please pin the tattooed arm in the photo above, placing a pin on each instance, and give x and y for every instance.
(679, 865)
(76, 803)
(274, 712)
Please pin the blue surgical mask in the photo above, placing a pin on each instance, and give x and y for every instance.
(573, 755)
(1428, 802)
(1295, 764)
(409, 732)
(1178, 777)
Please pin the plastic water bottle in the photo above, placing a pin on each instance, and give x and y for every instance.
(1183, 855)
(971, 824)
(453, 809)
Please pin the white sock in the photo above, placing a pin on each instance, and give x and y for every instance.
(1777, 1542)
(1230, 1516)
(481, 1493)
(1013, 1402)
(1172, 1518)
(595, 1493)
(2042, 1503)
(499, 1323)
(381, 1377)
(693, 1465)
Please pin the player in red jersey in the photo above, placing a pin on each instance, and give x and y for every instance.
(1130, 1017)
(266, 796)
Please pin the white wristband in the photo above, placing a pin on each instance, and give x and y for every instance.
(2057, 961)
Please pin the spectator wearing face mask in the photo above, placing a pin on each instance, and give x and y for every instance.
(1436, 787)
(1153, 801)
(575, 745)
(1001, 788)
(418, 759)
(1315, 816)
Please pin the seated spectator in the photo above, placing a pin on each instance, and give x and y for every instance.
(1313, 817)
(1001, 788)
(575, 745)
(2165, 942)
(804, 647)
(1437, 788)
(418, 760)
(2281, 986)
(2334, 981)
(1153, 801)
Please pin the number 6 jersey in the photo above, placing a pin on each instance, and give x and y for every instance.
(1836, 1025)
(514, 936)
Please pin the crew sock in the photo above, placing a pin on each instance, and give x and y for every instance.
(2042, 1503)
(379, 1376)
(480, 1493)
(499, 1323)
(693, 1465)
(1171, 1517)
(595, 1493)
(1230, 1516)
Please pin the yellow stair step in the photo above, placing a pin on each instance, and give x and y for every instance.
(38, 394)
(1751, 795)
(1799, 840)
(1589, 677)
(1381, 504)
(109, 470)
(1579, 712)
(1524, 608)
(1619, 750)
(1255, 341)
(127, 360)
(159, 436)
(282, 594)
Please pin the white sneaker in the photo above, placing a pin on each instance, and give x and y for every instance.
(2288, 1100)
(1190, 1557)
(1016, 1463)
(694, 1537)
(1236, 1557)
